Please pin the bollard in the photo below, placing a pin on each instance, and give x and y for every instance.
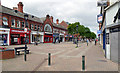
(83, 62)
(49, 59)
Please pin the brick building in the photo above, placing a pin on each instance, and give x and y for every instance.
(42, 30)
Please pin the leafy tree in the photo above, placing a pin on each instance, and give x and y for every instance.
(82, 30)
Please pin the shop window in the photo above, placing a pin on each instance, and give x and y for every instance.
(32, 26)
(13, 23)
(22, 24)
(18, 24)
(41, 28)
(35, 27)
(5, 21)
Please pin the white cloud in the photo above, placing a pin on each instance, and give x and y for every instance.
(84, 11)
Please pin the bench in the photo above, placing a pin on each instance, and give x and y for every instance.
(18, 50)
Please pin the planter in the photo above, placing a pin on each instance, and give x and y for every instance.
(7, 54)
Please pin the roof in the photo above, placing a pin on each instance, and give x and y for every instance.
(12, 12)
(65, 24)
(59, 26)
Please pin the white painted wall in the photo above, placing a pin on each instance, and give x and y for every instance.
(110, 13)
(112, 1)
(108, 51)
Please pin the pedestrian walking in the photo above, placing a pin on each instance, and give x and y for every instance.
(95, 41)
(87, 42)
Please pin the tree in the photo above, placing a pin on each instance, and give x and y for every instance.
(82, 30)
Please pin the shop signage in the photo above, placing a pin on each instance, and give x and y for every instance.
(18, 31)
(99, 31)
(99, 18)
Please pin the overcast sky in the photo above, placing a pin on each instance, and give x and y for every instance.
(83, 11)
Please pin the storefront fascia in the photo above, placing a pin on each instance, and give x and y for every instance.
(48, 37)
(55, 37)
(18, 36)
(41, 36)
(6, 32)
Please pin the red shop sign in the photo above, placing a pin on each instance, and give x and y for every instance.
(18, 31)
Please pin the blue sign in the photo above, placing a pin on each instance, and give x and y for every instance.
(99, 31)
(99, 18)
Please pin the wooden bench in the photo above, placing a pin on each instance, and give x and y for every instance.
(20, 49)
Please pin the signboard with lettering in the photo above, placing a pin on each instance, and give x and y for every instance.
(99, 18)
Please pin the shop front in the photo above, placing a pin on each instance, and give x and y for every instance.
(55, 37)
(17, 37)
(37, 36)
(48, 37)
(62, 39)
(4, 36)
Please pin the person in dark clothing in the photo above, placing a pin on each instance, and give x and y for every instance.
(95, 41)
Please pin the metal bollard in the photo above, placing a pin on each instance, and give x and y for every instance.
(49, 59)
(83, 62)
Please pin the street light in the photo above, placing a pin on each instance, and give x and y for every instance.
(77, 33)
(26, 18)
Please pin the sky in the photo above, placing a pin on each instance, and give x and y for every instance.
(83, 11)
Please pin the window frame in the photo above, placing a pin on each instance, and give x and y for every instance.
(5, 21)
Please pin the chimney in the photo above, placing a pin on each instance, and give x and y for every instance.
(20, 7)
(57, 21)
(51, 18)
(15, 8)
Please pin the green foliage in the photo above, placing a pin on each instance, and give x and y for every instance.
(82, 30)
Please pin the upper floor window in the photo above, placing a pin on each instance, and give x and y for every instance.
(35, 27)
(13, 23)
(41, 28)
(32, 27)
(23, 24)
(18, 24)
(38, 27)
(27, 25)
(5, 21)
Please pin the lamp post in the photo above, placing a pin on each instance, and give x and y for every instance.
(26, 18)
(77, 33)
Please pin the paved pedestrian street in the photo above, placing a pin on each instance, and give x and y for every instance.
(64, 57)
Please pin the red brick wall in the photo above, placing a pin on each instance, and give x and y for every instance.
(7, 54)
(48, 21)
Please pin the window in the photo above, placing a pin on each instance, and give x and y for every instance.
(22, 24)
(41, 28)
(27, 25)
(32, 27)
(38, 27)
(13, 23)
(18, 24)
(35, 27)
(5, 21)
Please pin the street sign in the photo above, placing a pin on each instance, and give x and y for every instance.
(99, 18)
(25, 30)
(99, 31)
(101, 3)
